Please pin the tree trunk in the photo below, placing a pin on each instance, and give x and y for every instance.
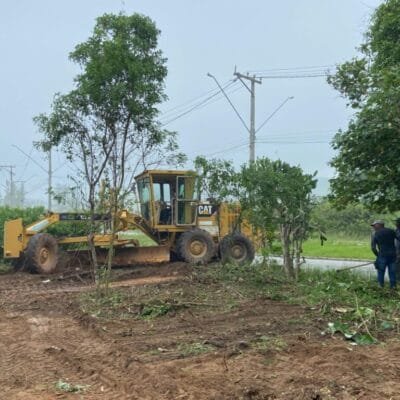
(92, 247)
(297, 258)
(287, 257)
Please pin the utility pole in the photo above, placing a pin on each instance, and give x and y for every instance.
(252, 89)
(50, 188)
(10, 169)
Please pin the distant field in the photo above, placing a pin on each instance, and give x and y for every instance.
(338, 247)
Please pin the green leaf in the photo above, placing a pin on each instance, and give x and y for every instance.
(386, 325)
(342, 328)
(367, 151)
(363, 339)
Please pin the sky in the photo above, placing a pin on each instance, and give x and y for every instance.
(287, 37)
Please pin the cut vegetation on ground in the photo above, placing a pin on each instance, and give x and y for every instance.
(172, 331)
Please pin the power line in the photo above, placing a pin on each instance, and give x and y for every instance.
(278, 140)
(305, 68)
(226, 150)
(319, 75)
(273, 113)
(197, 106)
(309, 135)
(187, 103)
(294, 142)
(30, 158)
(229, 101)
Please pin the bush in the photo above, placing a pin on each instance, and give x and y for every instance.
(32, 214)
(354, 220)
(29, 215)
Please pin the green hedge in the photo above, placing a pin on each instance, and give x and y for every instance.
(352, 221)
(32, 214)
(28, 215)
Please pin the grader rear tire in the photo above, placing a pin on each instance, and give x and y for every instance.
(42, 253)
(237, 249)
(195, 247)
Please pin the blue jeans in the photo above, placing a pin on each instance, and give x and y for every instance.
(381, 263)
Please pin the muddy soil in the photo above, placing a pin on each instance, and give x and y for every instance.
(246, 349)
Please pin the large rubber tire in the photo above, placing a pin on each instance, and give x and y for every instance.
(42, 254)
(237, 249)
(195, 247)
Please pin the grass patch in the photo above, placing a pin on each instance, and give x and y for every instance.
(194, 349)
(5, 268)
(266, 343)
(151, 311)
(345, 298)
(100, 306)
(338, 247)
(66, 387)
(123, 304)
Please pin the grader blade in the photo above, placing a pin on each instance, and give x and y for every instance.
(125, 256)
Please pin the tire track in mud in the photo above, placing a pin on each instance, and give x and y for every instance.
(56, 348)
(44, 288)
(55, 345)
(61, 347)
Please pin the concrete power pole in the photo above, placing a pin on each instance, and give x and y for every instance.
(252, 89)
(50, 188)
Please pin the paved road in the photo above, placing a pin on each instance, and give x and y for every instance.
(332, 264)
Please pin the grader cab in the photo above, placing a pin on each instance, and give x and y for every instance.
(170, 213)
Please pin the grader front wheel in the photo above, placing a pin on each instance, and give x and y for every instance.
(42, 253)
(195, 247)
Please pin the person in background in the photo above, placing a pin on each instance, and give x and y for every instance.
(383, 246)
(397, 243)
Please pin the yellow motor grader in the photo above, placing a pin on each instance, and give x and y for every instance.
(171, 214)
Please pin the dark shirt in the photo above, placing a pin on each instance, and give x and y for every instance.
(397, 242)
(382, 242)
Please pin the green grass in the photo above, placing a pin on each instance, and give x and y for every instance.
(5, 268)
(66, 387)
(348, 301)
(266, 343)
(338, 247)
(194, 349)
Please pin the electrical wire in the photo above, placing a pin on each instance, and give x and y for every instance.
(319, 75)
(189, 102)
(209, 100)
(214, 97)
(277, 136)
(305, 68)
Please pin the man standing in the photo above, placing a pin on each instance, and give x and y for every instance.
(383, 246)
(397, 243)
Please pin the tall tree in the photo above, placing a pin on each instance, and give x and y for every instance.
(367, 161)
(107, 125)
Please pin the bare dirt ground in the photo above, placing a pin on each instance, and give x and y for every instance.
(206, 347)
